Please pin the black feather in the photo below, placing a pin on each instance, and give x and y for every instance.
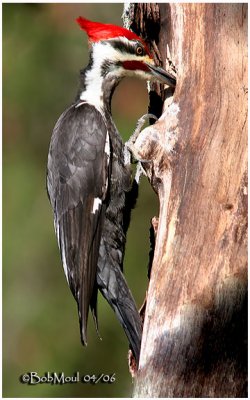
(77, 173)
(92, 242)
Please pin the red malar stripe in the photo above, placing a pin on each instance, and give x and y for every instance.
(135, 65)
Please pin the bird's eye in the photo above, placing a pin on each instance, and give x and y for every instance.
(139, 50)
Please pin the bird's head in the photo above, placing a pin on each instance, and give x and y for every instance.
(121, 52)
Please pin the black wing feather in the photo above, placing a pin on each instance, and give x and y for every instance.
(77, 174)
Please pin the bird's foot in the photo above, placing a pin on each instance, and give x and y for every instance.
(131, 154)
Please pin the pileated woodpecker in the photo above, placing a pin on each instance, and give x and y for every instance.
(88, 181)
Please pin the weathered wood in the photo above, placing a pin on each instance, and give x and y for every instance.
(195, 328)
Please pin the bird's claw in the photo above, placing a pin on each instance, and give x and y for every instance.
(131, 154)
(141, 121)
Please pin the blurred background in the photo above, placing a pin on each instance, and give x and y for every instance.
(43, 51)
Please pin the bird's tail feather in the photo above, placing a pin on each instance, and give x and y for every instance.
(114, 288)
(130, 320)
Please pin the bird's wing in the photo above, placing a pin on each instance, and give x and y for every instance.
(77, 183)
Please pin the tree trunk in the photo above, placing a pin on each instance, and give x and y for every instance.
(195, 328)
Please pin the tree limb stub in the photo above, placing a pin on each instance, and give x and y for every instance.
(194, 336)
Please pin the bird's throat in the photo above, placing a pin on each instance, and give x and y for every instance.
(97, 86)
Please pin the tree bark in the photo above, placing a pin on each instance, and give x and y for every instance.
(194, 340)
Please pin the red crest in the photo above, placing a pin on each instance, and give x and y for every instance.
(97, 31)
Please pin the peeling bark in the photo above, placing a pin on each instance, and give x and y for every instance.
(195, 329)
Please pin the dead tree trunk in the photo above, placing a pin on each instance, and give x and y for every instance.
(195, 329)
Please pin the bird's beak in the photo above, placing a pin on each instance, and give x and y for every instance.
(160, 74)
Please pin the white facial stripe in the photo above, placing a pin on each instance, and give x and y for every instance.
(123, 56)
(103, 51)
(96, 204)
